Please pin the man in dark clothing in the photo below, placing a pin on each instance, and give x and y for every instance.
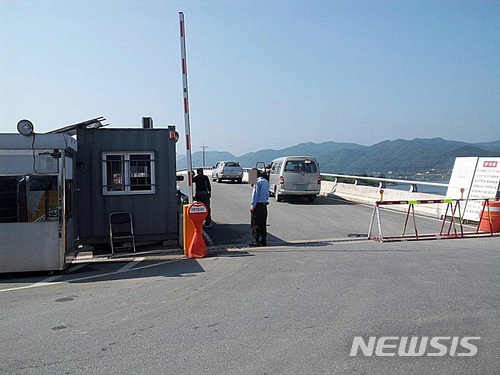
(203, 192)
(258, 210)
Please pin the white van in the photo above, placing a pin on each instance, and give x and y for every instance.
(294, 176)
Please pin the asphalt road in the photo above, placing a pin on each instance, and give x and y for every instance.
(296, 220)
(278, 310)
(291, 308)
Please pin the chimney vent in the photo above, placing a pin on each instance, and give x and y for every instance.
(147, 123)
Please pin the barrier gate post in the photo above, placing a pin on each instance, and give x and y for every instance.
(197, 212)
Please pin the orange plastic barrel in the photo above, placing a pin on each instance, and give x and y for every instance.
(484, 223)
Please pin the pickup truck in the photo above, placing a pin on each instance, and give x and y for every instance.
(227, 170)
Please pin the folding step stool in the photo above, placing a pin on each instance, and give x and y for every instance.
(120, 228)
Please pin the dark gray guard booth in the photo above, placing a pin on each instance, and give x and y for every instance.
(129, 170)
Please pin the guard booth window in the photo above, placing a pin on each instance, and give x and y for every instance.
(28, 198)
(128, 173)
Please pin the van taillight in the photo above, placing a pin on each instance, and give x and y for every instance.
(319, 180)
(282, 180)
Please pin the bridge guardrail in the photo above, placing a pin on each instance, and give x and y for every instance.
(359, 193)
(381, 180)
(384, 181)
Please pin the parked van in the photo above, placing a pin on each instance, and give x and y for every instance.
(294, 176)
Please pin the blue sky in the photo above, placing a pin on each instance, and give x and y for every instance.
(262, 74)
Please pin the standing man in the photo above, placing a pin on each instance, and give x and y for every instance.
(258, 210)
(203, 192)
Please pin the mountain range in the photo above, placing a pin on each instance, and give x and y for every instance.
(399, 156)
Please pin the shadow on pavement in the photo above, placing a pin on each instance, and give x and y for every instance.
(224, 253)
(331, 200)
(116, 271)
(225, 234)
(235, 234)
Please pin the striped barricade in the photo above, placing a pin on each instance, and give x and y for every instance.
(451, 225)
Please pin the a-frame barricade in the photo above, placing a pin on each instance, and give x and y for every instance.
(451, 225)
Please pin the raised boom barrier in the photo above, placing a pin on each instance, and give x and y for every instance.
(453, 206)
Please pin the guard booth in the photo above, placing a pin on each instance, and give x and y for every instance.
(37, 224)
(130, 170)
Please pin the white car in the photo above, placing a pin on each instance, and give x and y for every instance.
(227, 170)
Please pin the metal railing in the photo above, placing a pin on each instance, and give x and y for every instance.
(382, 182)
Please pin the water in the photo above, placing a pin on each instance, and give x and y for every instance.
(423, 188)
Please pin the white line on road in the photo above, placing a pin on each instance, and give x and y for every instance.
(74, 268)
(131, 264)
(47, 282)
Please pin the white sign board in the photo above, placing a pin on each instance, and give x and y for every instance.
(484, 185)
(461, 177)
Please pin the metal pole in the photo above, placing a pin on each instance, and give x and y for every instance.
(186, 108)
(371, 222)
(203, 147)
(381, 235)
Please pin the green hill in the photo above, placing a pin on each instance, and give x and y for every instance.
(399, 156)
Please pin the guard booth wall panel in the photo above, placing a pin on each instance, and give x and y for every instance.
(154, 215)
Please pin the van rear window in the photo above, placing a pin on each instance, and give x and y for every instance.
(301, 166)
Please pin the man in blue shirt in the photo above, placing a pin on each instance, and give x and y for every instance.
(258, 210)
